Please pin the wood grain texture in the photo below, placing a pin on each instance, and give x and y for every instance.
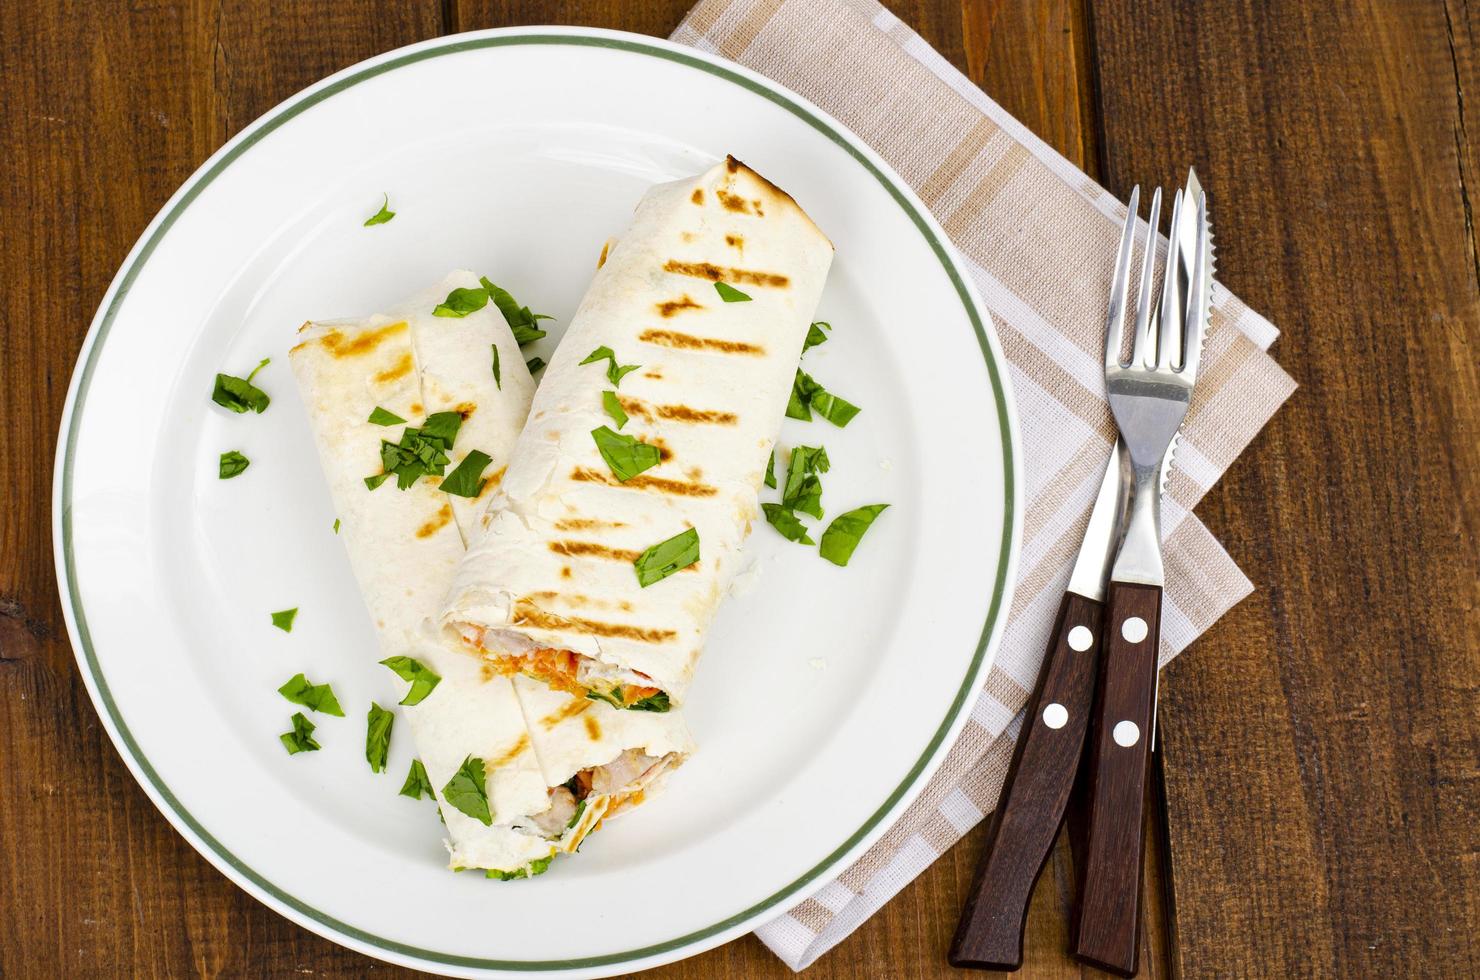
(1320, 743)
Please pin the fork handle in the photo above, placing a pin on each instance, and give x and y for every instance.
(1107, 926)
(990, 933)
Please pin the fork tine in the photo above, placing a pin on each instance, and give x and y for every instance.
(1202, 277)
(1120, 284)
(1171, 311)
(1140, 349)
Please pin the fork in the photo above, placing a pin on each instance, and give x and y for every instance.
(1148, 395)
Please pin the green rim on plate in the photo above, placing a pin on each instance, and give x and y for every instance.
(268, 124)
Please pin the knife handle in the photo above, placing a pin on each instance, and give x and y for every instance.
(990, 933)
(1107, 925)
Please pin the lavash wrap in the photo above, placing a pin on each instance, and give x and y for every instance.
(553, 565)
(404, 545)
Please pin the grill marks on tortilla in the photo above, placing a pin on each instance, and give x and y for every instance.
(593, 728)
(492, 483)
(565, 712)
(584, 524)
(736, 242)
(674, 306)
(437, 523)
(338, 345)
(592, 549)
(513, 752)
(642, 481)
(685, 341)
(714, 273)
(698, 196)
(677, 413)
(400, 369)
(528, 614)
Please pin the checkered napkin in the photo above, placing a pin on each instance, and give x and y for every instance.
(1038, 237)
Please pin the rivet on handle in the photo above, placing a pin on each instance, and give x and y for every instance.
(1081, 639)
(1134, 629)
(1126, 733)
(1055, 715)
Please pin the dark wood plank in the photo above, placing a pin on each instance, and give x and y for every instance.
(1320, 743)
(107, 109)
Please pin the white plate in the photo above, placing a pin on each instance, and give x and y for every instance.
(827, 696)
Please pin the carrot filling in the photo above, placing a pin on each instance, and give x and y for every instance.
(560, 669)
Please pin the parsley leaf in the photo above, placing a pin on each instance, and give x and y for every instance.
(336, 525)
(807, 395)
(815, 335)
(534, 364)
(575, 818)
(378, 736)
(467, 479)
(528, 871)
(233, 464)
(284, 620)
(771, 470)
(239, 394)
(614, 372)
(300, 739)
(613, 406)
(657, 703)
(667, 557)
(423, 679)
(383, 215)
(730, 294)
(610, 697)
(417, 784)
(784, 521)
(467, 790)
(626, 456)
(803, 490)
(381, 417)
(498, 378)
(421, 452)
(519, 319)
(316, 697)
(846, 530)
(460, 302)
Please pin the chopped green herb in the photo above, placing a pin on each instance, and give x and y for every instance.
(575, 818)
(383, 215)
(460, 302)
(378, 736)
(315, 697)
(498, 378)
(657, 703)
(771, 471)
(807, 395)
(381, 417)
(417, 784)
(336, 525)
(519, 319)
(283, 620)
(467, 790)
(730, 294)
(233, 464)
(815, 335)
(613, 406)
(667, 557)
(846, 530)
(534, 364)
(614, 372)
(784, 521)
(803, 489)
(423, 679)
(610, 697)
(300, 739)
(239, 394)
(626, 456)
(467, 479)
(528, 871)
(421, 452)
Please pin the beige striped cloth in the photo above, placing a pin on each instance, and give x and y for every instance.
(1039, 238)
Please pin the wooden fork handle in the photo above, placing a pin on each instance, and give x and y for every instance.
(1107, 926)
(1039, 780)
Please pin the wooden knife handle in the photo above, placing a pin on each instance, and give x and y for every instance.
(1107, 925)
(990, 934)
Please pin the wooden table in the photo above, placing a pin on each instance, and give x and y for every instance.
(1319, 804)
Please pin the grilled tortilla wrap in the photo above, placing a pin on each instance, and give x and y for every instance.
(404, 546)
(548, 589)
